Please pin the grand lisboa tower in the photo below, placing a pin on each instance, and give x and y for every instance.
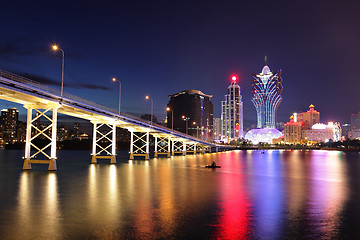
(266, 90)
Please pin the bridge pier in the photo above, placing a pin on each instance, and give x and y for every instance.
(191, 147)
(139, 144)
(162, 146)
(178, 146)
(207, 149)
(105, 143)
(49, 133)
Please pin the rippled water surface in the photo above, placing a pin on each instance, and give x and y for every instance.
(275, 195)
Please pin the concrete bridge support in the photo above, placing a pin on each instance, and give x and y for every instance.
(191, 147)
(178, 146)
(139, 144)
(34, 131)
(162, 146)
(104, 142)
(207, 149)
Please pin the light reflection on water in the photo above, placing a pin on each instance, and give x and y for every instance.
(46, 212)
(271, 195)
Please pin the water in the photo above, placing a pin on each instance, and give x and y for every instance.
(275, 195)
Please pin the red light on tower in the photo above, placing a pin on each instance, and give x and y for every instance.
(233, 78)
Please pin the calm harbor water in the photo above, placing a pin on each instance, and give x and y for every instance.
(275, 195)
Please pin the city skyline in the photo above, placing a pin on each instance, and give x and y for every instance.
(184, 46)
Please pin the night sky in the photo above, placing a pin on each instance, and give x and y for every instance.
(159, 48)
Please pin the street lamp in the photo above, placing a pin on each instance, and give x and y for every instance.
(56, 48)
(117, 80)
(172, 117)
(152, 106)
(186, 119)
(197, 129)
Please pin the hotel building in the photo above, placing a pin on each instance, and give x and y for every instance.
(232, 113)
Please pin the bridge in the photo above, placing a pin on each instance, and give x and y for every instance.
(47, 103)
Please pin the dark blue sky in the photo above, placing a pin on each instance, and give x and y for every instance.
(159, 48)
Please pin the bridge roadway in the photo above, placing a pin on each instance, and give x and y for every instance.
(45, 100)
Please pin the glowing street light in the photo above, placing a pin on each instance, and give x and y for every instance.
(172, 117)
(186, 119)
(117, 80)
(152, 106)
(56, 48)
(197, 129)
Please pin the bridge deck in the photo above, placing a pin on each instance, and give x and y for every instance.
(24, 91)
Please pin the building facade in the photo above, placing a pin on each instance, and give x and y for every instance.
(191, 111)
(217, 129)
(266, 90)
(232, 113)
(354, 132)
(320, 132)
(9, 122)
(309, 118)
(293, 131)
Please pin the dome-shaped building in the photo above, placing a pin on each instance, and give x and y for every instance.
(264, 135)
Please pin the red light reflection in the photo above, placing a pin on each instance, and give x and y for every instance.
(234, 216)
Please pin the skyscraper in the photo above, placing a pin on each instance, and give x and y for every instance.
(266, 89)
(191, 111)
(232, 113)
(8, 121)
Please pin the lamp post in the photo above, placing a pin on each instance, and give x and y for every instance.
(186, 119)
(197, 129)
(56, 48)
(172, 117)
(117, 80)
(152, 106)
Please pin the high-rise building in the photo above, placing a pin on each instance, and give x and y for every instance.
(76, 131)
(232, 113)
(293, 131)
(309, 118)
(217, 128)
(266, 90)
(191, 111)
(355, 122)
(355, 126)
(9, 121)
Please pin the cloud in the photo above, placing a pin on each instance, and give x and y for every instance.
(17, 48)
(91, 86)
(51, 82)
(40, 79)
(13, 50)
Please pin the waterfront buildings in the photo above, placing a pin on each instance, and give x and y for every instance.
(266, 90)
(191, 111)
(320, 132)
(355, 126)
(293, 131)
(217, 129)
(309, 118)
(8, 123)
(232, 113)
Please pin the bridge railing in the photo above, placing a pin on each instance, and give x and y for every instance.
(29, 82)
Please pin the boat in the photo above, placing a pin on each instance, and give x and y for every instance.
(213, 165)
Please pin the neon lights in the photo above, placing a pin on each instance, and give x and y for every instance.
(267, 88)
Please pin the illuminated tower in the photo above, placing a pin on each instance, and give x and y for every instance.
(266, 89)
(232, 113)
